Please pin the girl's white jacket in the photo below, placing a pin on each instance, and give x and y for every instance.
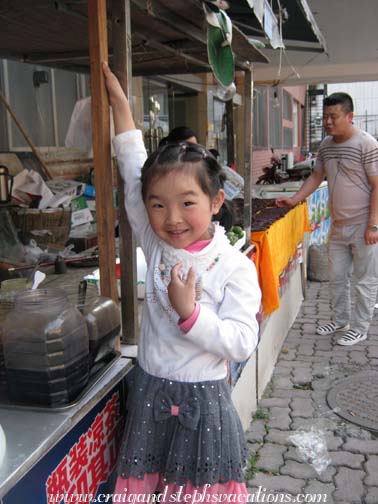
(226, 328)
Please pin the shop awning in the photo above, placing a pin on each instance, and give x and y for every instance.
(167, 37)
(299, 28)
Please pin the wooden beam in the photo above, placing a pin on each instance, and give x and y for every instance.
(175, 52)
(121, 42)
(248, 131)
(98, 52)
(167, 16)
(48, 57)
(149, 71)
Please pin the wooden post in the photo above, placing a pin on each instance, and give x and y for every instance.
(98, 52)
(121, 43)
(230, 133)
(248, 130)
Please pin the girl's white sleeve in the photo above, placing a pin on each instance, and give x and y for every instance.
(131, 155)
(232, 333)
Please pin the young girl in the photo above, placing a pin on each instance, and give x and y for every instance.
(183, 437)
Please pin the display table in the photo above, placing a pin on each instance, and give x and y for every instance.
(276, 253)
(71, 450)
(274, 248)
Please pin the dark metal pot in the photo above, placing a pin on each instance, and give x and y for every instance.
(5, 187)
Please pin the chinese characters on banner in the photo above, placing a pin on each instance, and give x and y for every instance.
(91, 459)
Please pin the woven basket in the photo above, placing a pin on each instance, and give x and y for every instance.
(46, 227)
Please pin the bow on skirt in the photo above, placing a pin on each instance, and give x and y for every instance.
(187, 412)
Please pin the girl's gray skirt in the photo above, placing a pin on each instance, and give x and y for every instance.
(184, 431)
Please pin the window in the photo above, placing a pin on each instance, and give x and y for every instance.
(43, 99)
(288, 138)
(296, 114)
(287, 101)
(220, 129)
(33, 105)
(65, 99)
(260, 128)
(155, 105)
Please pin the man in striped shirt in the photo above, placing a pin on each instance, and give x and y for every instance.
(348, 157)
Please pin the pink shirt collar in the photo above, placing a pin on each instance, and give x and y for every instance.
(197, 246)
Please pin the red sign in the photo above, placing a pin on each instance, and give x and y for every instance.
(90, 461)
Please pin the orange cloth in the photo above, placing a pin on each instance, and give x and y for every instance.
(274, 248)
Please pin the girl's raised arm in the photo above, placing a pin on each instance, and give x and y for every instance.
(123, 120)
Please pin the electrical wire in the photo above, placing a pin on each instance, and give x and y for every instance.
(281, 33)
(294, 71)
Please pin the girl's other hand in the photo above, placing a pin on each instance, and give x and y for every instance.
(182, 292)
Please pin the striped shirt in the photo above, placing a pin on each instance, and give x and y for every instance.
(347, 166)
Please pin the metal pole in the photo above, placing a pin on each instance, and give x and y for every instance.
(248, 130)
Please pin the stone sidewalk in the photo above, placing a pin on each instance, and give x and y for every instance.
(295, 399)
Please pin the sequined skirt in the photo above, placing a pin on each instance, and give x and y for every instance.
(184, 431)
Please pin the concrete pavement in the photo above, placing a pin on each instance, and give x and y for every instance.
(295, 401)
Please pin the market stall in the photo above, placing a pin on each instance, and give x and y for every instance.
(277, 239)
(71, 447)
(166, 38)
(281, 238)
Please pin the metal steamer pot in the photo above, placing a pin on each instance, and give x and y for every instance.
(6, 184)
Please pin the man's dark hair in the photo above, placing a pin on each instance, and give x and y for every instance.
(180, 134)
(163, 141)
(342, 99)
(215, 153)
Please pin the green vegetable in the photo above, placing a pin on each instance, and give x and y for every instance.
(238, 231)
(232, 237)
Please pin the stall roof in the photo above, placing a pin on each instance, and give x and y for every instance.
(167, 37)
(298, 26)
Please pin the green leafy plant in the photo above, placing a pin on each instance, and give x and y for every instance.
(252, 469)
(261, 414)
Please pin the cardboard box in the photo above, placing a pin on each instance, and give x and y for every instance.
(66, 187)
(80, 212)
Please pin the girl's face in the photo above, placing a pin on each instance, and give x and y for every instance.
(179, 211)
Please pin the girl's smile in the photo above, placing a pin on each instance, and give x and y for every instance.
(179, 211)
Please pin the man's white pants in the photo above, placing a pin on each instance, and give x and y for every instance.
(347, 253)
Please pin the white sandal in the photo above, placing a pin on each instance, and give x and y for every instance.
(351, 337)
(331, 328)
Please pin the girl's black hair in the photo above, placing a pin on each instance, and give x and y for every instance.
(186, 156)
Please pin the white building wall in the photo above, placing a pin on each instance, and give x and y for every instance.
(365, 97)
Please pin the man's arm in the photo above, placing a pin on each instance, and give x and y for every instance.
(371, 236)
(308, 187)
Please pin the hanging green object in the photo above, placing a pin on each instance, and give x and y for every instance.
(219, 36)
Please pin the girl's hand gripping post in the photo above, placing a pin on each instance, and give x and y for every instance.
(182, 292)
(123, 120)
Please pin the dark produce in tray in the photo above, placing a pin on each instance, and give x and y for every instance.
(264, 213)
